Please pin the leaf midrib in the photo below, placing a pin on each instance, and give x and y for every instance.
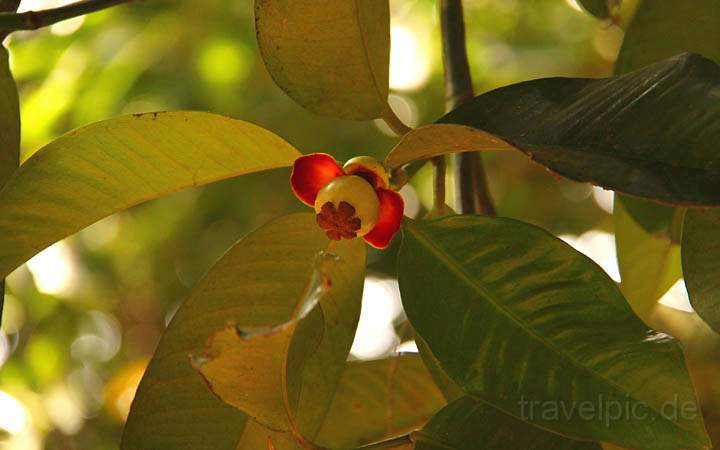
(464, 276)
(366, 54)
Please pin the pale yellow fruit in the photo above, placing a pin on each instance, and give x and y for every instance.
(358, 193)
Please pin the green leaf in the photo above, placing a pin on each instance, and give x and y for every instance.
(330, 57)
(598, 8)
(440, 139)
(378, 400)
(451, 391)
(651, 133)
(257, 283)
(9, 120)
(515, 315)
(664, 28)
(375, 400)
(649, 262)
(701, 263)
(112, 165)
(465, 422)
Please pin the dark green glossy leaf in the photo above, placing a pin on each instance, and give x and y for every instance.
(515, 315)
(451, 391)
(257, 283)
(660, 29)
(467, 424)
(652, 133)
(649, 263)
(701, 263)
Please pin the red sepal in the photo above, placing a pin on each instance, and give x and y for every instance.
(389, 219)
(311, 173)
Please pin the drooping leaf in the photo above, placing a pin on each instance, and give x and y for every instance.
(649, 263)
(375, 400)
(380, 399)
(112, 165)
(513, 314)
(651, 133)
(330, 57)
(467, 423)
(439, 139)
(701, 263)
(257, 283)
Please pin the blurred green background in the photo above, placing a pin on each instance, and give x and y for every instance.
(83, 317)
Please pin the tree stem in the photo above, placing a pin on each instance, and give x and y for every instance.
(32, 20)
(471, 191)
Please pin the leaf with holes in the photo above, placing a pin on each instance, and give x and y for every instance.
(258, 283)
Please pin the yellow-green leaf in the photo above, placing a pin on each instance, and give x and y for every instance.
(109, 166)
(331, 57)
(380, 399)
(374, 401)
(649, 263)
(256, 284)
(439, 139)
(285, 376)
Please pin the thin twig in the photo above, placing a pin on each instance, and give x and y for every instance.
(32, 20)
(471, 191)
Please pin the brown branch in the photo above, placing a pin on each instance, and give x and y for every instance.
(471, 191)
(32, 20)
